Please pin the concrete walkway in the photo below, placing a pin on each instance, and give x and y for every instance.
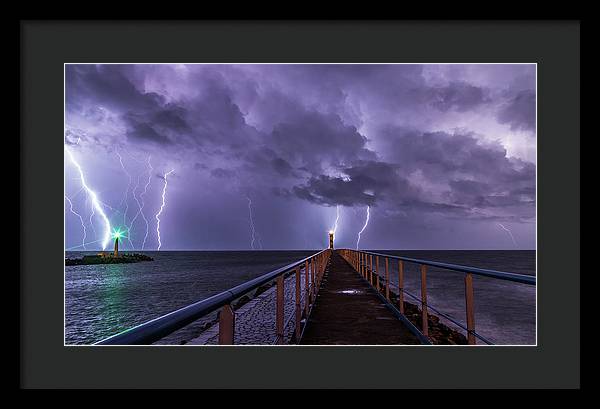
(255, 320)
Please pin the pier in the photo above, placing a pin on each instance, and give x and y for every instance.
(348, 311)
(334, 297)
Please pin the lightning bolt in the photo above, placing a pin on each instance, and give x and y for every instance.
(253, 230)
(83, 245)
(126, 195)
(364, 227)
(150, 169)
(141, 205)
(337, 218)
(80, 219)
(77, 193)
(86, 204)
(509, 232)
(91, 221)
(124, 200)
(162, 206)
(335, 225)
(94, 198)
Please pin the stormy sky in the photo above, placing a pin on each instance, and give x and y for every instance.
(264, 155)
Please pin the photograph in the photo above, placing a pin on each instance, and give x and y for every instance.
(211, 205)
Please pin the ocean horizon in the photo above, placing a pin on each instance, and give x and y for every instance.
(102, 300)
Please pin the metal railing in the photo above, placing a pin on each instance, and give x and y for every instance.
(158, 328)
(367, 264)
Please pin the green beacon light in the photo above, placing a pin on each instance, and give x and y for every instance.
(117, 235)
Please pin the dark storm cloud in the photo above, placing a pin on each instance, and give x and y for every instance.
(108, 85)
(171, 117)
(333, 191)
(470, 173)
(306, 143)
(306, 135)
(148, 116)
(458, 95)
(444, 153)
(364, 183)
(282, 192)
(142, 131)
(468, 187)
(519, 112)
(343, 90)
(264, 162)
(386, 87)
(282, 167)
(211, 116)
(315, 141)
(222, 173)
(217, 119)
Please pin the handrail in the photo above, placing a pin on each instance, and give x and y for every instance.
(449, 318)
(367, 264)
(501, 275)
(162, 326)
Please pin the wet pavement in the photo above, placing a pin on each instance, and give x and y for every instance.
(348, 312)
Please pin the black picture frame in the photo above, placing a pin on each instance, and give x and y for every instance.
(47, 45)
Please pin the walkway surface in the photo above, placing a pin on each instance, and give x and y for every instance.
(347, 311)
(255, 320)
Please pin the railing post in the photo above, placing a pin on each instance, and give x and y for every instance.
(401, 286)
(469, 301)
(312, 278)
(363, 265)
(424, 299)
(226, 325)
(371, 270)
(318, 269)
(306, 289)
(387, 279)
(279, 310)
(322, 265)
(298, 305)
(359, 262)
(377, 272)
(319, 266)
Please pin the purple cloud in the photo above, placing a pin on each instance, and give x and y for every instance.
(413, 141)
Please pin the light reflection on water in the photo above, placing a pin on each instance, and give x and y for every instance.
(101, 300)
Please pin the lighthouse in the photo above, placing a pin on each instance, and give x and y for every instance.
(117, 235)
(331, 239)
(116, 253)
